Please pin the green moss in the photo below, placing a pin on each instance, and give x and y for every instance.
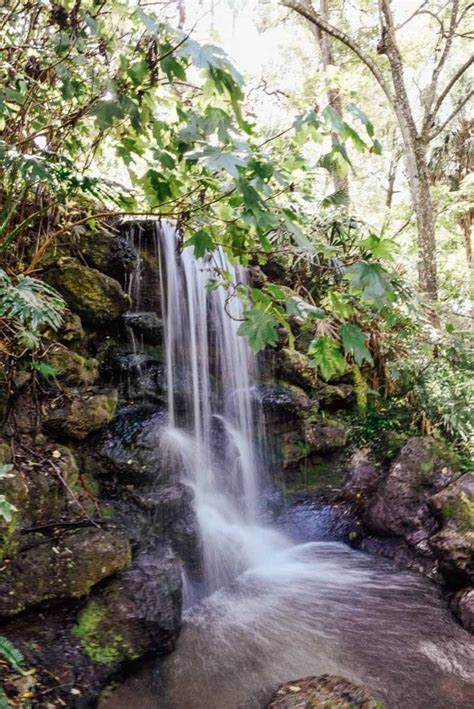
(318, 476)
(460, 511)
(361, 389)
(87, 630)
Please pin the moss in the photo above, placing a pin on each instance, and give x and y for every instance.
(72, 367)
(460, 511)
(317, 476)
(87, 630)
(361, 389)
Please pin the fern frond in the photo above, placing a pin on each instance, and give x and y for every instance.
(11, 653)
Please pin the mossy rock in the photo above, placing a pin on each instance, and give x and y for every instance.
(324, 692)
(120, 623)
(71, 367)
(107, 252)
(294, 367)
(67, 567)
(454, 543)
(81, 413)
(97, 298)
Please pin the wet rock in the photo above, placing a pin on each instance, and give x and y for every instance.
(293, 367)
(148, 326)
(335, 396)
(401, 506)
(463, 607)
(71, 367)
(71, 329)
(66, 567)
(402, 555)
(324, 692)
(283, 403)
(136, 614)
(80, 413)
(97, 298)
(363, 475)
(108, 252)
(326, 436)
(129, 447)
(454, 543)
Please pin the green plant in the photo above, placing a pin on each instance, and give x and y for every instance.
(11, 654)
(6, 508)
(30, 304)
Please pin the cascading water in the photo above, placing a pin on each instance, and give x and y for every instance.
(273, 610)
(213, 435)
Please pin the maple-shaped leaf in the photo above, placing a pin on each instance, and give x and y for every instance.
(327, 357)
(260, 328)
(353, 340)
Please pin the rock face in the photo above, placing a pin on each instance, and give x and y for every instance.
(81, 413)
(401, 505)
(454, 543)
(68, 569)
(463, 607)
(108, 252)
(71, 367)
(324, 692)
(137, 613)
(362, 475)
(97, 298)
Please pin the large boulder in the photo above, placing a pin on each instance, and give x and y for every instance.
(294, 367)
(108, 252)
(335, 396)
(128, 448)
(66, 566)
(70, 367)
(401, 506)
(363, 475)
(324, 692)
(80, 413)
(97, 298)
(136, 614)
(463, 607)
(454, 543)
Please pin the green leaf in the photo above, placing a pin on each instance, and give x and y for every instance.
(353, 340)
(202, 242)
(46, 370)
(260, 328)
(372, 281)
(336, 199)
(327, 357)
(6, 509)
(299, 308)
(380, 248)
(5, 469)
(337, 305)
(362, 117)
(106, 112)
(11, 653)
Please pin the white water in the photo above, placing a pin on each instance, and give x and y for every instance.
(275, 611)
(213, 438)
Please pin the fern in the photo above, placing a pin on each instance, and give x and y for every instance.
(30, 304)
(11, 654)
(4, 703)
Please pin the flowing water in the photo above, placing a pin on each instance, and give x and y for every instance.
(273, 610)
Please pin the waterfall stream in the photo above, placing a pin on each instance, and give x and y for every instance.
(272, 610)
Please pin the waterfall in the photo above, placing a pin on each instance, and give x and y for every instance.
(214, 436)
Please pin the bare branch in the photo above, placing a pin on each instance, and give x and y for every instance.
(413, 14)
(452, 115)
(462, 69)
(314, 18)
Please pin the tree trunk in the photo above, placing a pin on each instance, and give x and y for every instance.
(415, 155)
(341, 182)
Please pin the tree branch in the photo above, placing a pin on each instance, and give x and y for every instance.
(315, 19)
(462, 69)
(453, 113)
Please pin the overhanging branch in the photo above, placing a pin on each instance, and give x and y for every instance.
(314, 18)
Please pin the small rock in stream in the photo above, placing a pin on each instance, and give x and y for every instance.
(324, 692)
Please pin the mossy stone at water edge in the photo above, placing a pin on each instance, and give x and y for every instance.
(324, 692)
(97, 298)
(136, 613)
(66, 567)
